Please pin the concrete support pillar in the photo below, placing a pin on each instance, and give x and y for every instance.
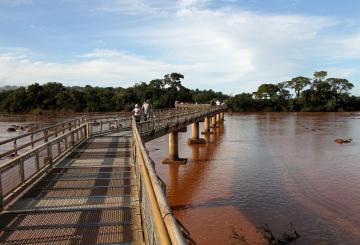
(195, 130)
(195, 139)
(213, 122)
(207, 138)
(217, 116)
(222, 116)
(173, 146)
(174, 150)
(207, 126)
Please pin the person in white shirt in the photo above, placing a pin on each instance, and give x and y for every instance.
(147, 109)
(137, 113)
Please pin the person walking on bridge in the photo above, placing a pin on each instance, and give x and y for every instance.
(147, 109)
(137, 113)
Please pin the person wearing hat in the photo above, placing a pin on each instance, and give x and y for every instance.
(137, 113)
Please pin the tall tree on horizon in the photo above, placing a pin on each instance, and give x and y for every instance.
(298, 84)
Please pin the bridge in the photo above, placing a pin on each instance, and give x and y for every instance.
(91, 180)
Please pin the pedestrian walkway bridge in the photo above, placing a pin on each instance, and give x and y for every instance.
(91, 181)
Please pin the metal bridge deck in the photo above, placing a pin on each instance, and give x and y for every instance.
(90, 197)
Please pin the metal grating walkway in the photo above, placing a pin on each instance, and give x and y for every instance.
(90, 197)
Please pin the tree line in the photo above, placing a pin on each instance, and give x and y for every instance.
(56, 97)
(311, 94)
(316, 94)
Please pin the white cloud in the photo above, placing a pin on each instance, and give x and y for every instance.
(135, 7)
(226, 49)
(100, 67)
(103, 53)
(349, 47)
(192, 3)
(126, 6)
(230, 45)
(15, 2)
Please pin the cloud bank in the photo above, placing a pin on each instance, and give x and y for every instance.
(225, 48)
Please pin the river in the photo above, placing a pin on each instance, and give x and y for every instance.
(269, 168)
(262, 168)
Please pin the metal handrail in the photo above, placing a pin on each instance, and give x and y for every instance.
(59, 128)
(112, 124)
(185, 115)
(175, 233)
(166, 230)
(25, 169)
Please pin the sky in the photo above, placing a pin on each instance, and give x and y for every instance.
(225, 45)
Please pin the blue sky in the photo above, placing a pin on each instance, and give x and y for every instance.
(228, 45)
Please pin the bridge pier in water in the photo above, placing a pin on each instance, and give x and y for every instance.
(174, 150)
(213, 122)
(195, 139)
(207, 129)
(222, 117)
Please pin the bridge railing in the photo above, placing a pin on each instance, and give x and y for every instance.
(202, 106)
(24, 142)
(177, 116)
(161, 226)
(18, 173)
(108, 124)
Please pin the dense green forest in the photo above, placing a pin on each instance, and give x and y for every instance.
(311, 94)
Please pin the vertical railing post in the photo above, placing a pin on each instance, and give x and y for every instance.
(45, 136)
(66, 142)
(87, 129)
(15, 148)
(49, 151)
(21, 170)
(32, 141)
(37, 162)
(1, 195)
(90, 128)
(59, 148)
(72, 138)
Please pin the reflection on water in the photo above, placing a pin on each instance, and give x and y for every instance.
(273, 168)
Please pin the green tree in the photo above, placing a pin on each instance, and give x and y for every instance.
(340, 85)
(320, 75)
(266, 91)
(298, 84)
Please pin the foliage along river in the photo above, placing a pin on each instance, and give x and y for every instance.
(274, 168)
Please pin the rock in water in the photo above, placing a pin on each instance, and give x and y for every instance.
(342, 141)
(11, 129)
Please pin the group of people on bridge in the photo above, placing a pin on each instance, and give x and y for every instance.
(145, 110)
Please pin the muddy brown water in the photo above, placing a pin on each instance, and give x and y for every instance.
(274, 168)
